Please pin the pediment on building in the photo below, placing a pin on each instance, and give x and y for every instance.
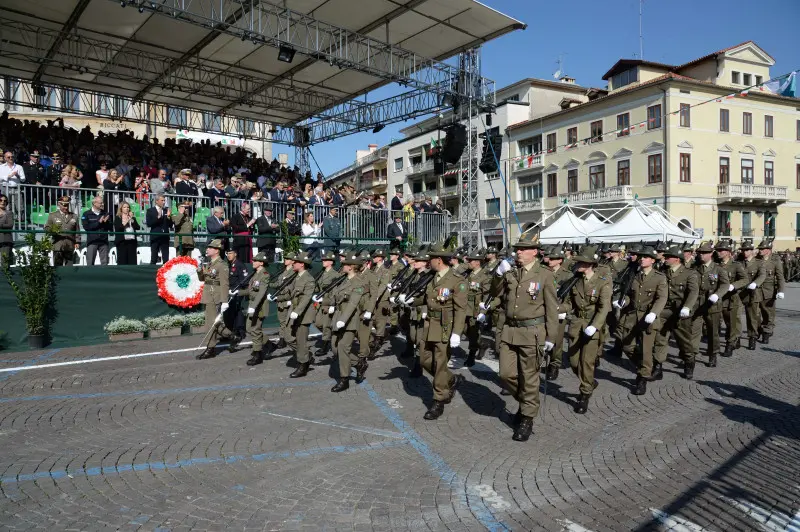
(751, 53)
(622, 153)
(685, 145)
(597, 156)
(748, 149)
(550, 168)
(725, 148)
(572, 163)
(653, 147)
(769, 153)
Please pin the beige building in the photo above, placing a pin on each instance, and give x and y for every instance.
(672, 135)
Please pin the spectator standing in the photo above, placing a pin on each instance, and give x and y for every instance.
(185, 186)
(97, 221)
(161, 184)
(277, 194)
(292, 227)
(102, 174)
(124, 171)
(332, 230)
(219, 227)
(34, 172)
(159, 220)
(310, 230)
(182, 220)
(11, 175)
(63, 223)
(112, 186)
(242, 226)
(268, 230)
(6, 224)
(427, 206)
(125, 225)
(217, 193)
(53, 172)
(397, 233)
(142, 187)
(397, 202)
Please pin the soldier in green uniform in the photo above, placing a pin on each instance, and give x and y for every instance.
(639, 316)
(301, 314)
(660, 248)
(771, 289)
(731, 304)
(61, 222)
(683, 286)
(417, 314)
(256, 291)
(395, 267)
(688, 255)
(618, 331)
(184, 241)
(283, 299)
(529, 297)
(713, 287)
(346, 301)
(478, 286)
(446, 301)
(323, 317)
(568, 257)
(364, 332)
(377, 307)
(588, 303)
(214, 275)
(751, 296)
(560, 275)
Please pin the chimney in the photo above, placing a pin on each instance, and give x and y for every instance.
(372, 147)
(567, 79)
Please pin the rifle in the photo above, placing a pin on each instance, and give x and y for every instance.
(566, 286)
(286, 283)
(421, 284)
(626, 280)
(336, 282)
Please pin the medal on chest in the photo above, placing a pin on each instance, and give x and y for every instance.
(533, 289)
(444, 295)
(474, 285)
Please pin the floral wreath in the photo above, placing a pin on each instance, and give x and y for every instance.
(178, 283)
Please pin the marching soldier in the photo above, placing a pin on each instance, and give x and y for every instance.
(531, 308)
(731, 304)
(478, 286)
(256, 291)
(713, 287)
(751, 296)
(660, 248)
(417, 314)
(619, 331)
(688, 255)
(377, 307)
(568, 260)
(62, 222)
(771, 289)
(639, 316)
(346, 302)
(395, 267)
(325, 302)
(616, 262)
(683, 287)
(364, 332)
(588, 303)
(283, 299)
(215, 296)
(301, 314)
(446, 301)
(560, 275)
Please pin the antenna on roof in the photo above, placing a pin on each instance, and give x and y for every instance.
(641, 38)
(560, 72)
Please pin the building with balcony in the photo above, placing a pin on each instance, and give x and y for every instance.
(367, 174)
(705, 140)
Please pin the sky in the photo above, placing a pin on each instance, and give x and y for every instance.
(591, 35)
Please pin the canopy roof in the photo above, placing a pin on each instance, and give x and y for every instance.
(149, 51)
(567, 228)
(639, 224)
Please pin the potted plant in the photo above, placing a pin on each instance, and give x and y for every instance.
(196, 322)
(122, 328)
(35, 292)
(164, 326)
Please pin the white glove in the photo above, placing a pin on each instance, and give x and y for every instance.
(401, 298)
(562, 316)
(293, 316)
(548, 346)
(752, 286)
(251, 311)
(650, 318)
(731, 288)
(616, 304)
(392, 300)
(481, 317)
(409, 301)
(779, 295)
(339, 325)
(590, 330)
(503, 267)
(331, 310)
(484, 306)
(713, 298)
(685, 312)
(289, 303)
(233, 292)
(424, 315)
(389, 287)
(367, 315)
(316, 299)
(223, 307)
(270, 297)
(455, 340)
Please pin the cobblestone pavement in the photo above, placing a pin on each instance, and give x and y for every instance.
(165, 442)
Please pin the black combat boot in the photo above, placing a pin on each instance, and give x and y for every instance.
(470, 359)
(583, 404)
(301, 371)
(552, 372)
(361, 370)
(728, 350)
(436, 410)
(208, 353)
(738, 343)
(235, 341)
(323, 351)
(281, 344)
(765, 338)
(658, 373)
(341, 385)
(416, 370)
(751, 343)
(517, 418)
(256, 357)
(640, 386)
(688, 371)
(524, 429)
(712, 360)
(481, 351)
(454, 383)
(372, 349)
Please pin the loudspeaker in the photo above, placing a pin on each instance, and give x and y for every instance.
(454, 143)
(302, 136)
(438, 165)
(489, 157)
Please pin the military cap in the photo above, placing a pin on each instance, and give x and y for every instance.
(438, 250)
(478, 254)
(491, 250)
(724, 245)
(365, 256)
(328, 255)
(303, 257)
(261, 257)
(394, 251)
(634, 248)
(688, 246)
(267, 207)
(647, 251)
(556, 252)
(765, 244)
(290, 211)
(603, 248)
(289, 256)
(568, 247)
(216, 244)
(544, 251)
(588, 254)
(378, 253)
(352, 260)
(674, 251)
(661, 247)
(528, 241)
(705, 247)
(614, 248)
(63, 200)
(746, 244)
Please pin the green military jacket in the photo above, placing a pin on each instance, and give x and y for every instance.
(302, 290)
(774, 280)
(617, 267)
(756, 273)
(58, 221)
(529, 299)
(324, 281)
(395, 268)
(346, 299)
(477, 288)
(590, 300)
(713, 280)
(215, 276)
(648, 293)
(256, 292)
(183, 226)
(378, 279)
(284, 296)
(736, 277)
(683, 287)
(446, 302)
(416, 310)
(559, 276)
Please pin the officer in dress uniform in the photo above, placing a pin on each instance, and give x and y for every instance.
(751, 296)
(346, 302)
(256, 292)
(587, 304)
(325, 302)
(560, 275)
(283, 299)
(478, 286)
(771, 289)
(713, 287)
(182, 219)
(731, 304)
(529, 298)
(446, 301)
(639, 316)
(61, 222)
(683, 286)
(215, 296)
(377, 307)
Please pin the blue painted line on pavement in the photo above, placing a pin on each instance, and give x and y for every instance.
(436, 462)
(162, 466)
(29, 363)
(166, 391)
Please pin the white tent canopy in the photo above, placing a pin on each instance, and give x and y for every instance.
(568, 228)
(593, 223)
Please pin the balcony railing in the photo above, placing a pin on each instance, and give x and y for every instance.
(527, 162)
(370, 158)
(419, 168)
(447, 192)
(528, 205)
(747, 193)
(599, 195)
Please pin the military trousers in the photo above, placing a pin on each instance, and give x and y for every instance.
(284, 323)
(633, 332)
(583, 352)
(363, 333)
(752, 315)
(342, 342)
(557, 356)
(767, 309)
(380, 318)
(255, 330)
(683, 331)
(733, 322)
(473, 333)
(299, 341)
(519, 372)
(323, 323)
(64, 257)
(433, 358)
(219, 330)
(711, 321)
(498, 321)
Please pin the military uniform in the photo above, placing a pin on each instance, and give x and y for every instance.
(683, 287)
(283, 300)
(215, 298)
(256, 292)
(774, 284)
(713, 282)
(477, 287)
(560, 275)
(323, 317)
(63, 244)
(184, 244)
(751, 298)
(394, 269)
(364, 332)
(346, 318)
(731, 304)
(378, 304)
(301, 316)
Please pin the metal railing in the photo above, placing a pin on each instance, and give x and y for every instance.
(528, 205)
(32, 204)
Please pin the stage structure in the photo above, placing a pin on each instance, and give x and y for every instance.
(291, 72)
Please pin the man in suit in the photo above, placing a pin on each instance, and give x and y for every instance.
(332, 230)
(397, 233)
(97, 222)
(242, 226)
(397, 202)
(218, 226)
(277, 195)
(268, 230)
(159, 220)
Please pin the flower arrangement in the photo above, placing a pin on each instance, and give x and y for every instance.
(161, 323)
(123, 325)
(178, 283)
(195, 319)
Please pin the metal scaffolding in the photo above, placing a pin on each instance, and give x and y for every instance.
(470, 82)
